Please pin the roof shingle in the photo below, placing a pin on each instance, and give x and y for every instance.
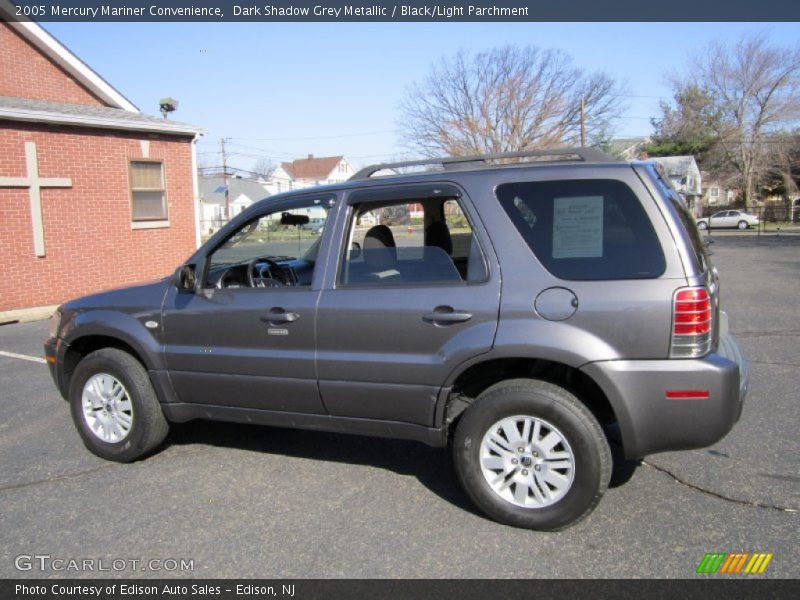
(311, 167)
(29, 109)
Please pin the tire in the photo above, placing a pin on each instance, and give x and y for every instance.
(114, 406)
(558, 412)
(702, 225)
(743, 225)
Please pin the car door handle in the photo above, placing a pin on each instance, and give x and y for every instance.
(446, 314)
(278, 315)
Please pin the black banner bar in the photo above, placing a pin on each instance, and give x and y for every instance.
(402, 11)
(701, 588)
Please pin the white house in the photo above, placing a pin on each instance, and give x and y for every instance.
(242, 192)
(685, 176)
(720, 190)
(308, 172)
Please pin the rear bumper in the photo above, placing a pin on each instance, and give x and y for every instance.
(651, 422)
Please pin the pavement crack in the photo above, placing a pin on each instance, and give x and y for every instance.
(64, 477)
(697, 488)
(758, 334)
(110, 465)
(773, 363)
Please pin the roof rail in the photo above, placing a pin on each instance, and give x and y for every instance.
(454, 163)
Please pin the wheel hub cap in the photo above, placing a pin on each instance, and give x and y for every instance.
(107, 408)
(527, 461)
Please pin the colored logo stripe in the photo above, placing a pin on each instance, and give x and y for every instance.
(734, 562)
(711, 562)
(758, 564)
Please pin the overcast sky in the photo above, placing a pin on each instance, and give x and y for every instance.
(288, 90)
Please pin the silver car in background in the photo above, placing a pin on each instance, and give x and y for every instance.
(734, 219)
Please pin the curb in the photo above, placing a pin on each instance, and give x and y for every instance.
(24, 315)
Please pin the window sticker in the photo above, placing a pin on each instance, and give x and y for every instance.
(578, 227)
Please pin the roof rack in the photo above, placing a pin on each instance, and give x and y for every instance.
(455, 163)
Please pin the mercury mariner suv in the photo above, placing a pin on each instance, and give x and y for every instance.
(525, 310)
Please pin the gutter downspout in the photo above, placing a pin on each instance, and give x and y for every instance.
(196, 191)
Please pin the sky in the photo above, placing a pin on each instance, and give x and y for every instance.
(284, 91)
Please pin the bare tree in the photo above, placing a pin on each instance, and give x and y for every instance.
(503, 100)
(755, 90)
(263, 167)
(783, 175)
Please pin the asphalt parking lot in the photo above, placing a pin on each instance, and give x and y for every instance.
(243, 501)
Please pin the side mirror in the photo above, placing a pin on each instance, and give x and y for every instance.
(185, 278)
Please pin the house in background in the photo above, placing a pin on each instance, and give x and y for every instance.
(627, 148)
(686, 177)
(308, 172)
(719, 191)
(242, 192)
(94, 194)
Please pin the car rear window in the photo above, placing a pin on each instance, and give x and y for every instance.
(690, 226)
(589, 229)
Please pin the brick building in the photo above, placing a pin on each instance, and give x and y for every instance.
(93, 193)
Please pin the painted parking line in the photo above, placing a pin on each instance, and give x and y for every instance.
(35, 359)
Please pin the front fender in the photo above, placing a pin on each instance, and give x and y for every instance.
(128, 328)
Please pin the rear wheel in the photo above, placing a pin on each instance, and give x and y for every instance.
(743, 225)
(114, 406)
(702, 225)
(531, 455)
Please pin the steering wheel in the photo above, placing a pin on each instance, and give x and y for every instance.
(257, 281)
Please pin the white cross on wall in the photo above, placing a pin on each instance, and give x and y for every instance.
(34, 183)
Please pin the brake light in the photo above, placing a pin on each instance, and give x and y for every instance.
(691, 323)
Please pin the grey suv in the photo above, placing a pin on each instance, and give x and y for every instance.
(525, 312)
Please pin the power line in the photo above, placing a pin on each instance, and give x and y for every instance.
(318, 137)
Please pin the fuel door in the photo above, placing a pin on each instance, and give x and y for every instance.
(556, 304)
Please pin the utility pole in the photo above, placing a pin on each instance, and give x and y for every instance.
(583, 122)
(225, 178)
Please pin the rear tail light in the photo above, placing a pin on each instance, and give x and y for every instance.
(692, 319)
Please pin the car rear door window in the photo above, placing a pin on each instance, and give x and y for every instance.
(586, 230)
(412, 242)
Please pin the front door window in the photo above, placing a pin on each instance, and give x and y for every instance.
(277, 249)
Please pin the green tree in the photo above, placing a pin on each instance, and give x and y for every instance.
(688, 125)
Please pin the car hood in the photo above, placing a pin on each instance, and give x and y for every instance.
(135, 298)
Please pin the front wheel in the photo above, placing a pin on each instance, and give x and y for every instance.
(743, 225)
(114, 406)
(531, 455)
(702, 225)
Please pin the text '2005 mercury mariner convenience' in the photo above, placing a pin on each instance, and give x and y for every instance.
(525, 310)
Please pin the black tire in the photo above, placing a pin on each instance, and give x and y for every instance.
(702, 225)
(743, 225)
(148, 428)
(555, 405)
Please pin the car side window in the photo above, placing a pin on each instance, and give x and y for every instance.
(273, 250)
(427, 241)
(585, 229)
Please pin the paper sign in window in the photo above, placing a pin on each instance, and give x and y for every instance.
(578, 227)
